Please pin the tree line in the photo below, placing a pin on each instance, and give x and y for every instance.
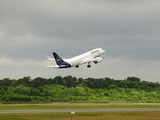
(72, 89)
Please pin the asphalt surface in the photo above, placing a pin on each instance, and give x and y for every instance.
(80, 110)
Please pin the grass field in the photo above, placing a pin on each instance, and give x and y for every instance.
(81, 116)
(77, 105)
(84, 116)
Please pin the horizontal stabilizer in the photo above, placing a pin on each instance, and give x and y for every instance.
(50, 58)
(50, 66)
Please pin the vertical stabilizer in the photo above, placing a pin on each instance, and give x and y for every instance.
(60, 61)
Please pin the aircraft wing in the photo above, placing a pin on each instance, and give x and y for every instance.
(95, 60)
(87, 60)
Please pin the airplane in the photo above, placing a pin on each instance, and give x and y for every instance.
(94, 56)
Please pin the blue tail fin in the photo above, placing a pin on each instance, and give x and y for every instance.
(60, 61)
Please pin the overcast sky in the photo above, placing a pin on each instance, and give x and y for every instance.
(128, 30)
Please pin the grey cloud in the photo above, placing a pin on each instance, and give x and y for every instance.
(79, 18)
(126, 29)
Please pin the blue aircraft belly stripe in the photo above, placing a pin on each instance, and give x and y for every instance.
(64, 65)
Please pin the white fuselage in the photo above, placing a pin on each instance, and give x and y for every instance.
(85, 57)
(95, 56)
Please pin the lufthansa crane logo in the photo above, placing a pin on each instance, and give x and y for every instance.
(58, 59)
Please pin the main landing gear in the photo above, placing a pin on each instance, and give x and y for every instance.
(77, 66)
(88, 65)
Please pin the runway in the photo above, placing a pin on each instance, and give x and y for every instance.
(79, 110)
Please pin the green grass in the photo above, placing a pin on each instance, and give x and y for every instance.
(84, 116)
(77, 105)
(81, 116)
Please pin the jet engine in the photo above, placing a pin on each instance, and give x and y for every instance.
(97, 60)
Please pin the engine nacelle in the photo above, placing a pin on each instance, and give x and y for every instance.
(97, 60)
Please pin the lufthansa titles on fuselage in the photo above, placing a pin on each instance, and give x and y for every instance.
(95, 51)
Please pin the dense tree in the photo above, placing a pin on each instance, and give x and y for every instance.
(24, 81)
(6, 82)
(58, 80)
(21, 89)
(70, 88)
(39, 82)
(70, 81)
(133, 79)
